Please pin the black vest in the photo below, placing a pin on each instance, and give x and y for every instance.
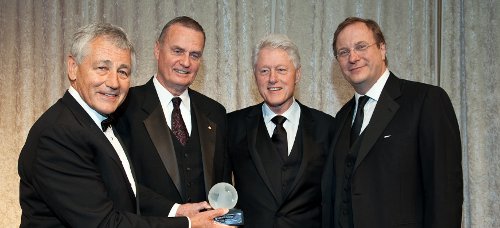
(281, 173)
(343, 199)
(190, 162)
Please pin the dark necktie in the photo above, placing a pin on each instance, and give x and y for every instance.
(358, 120)
(178, 125)
(279, 136)
(107, 123)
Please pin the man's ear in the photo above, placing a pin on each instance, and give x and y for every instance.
(72, 68)
(383, 50)
(298, 74)
(157, 50)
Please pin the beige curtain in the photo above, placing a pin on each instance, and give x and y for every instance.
(453, 44)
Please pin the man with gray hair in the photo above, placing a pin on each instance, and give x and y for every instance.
(277, 148)
(74, 171)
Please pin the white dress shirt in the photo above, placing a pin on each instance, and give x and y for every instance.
(167, 106)
(98, 118)
(291, 124)
(374, 94)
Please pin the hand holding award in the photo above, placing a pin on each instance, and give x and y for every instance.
(224, 195)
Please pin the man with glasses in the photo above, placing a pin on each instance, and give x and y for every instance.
(397, 154)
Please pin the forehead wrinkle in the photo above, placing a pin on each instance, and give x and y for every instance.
(104, 61)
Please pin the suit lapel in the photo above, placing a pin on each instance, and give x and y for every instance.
(252, 122)
(306, 125)
(207, 132)
(343, 116)
(159, 132)
(384, 111)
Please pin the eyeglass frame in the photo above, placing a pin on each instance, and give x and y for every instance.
(357, 48)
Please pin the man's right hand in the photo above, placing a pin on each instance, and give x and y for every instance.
(190, 209)
(206, 219)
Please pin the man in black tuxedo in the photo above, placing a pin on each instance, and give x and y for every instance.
(74, 171)
(397, 154)
(278, 148)
(177, 152)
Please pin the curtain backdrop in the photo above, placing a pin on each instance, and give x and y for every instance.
(450, 43)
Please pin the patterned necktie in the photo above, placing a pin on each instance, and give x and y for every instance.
(279, 136)
(358, 120)
(178, 125)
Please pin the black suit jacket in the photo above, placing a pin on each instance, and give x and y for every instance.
(71, 175)
(408, 170)
(262, 207)
(143, 127)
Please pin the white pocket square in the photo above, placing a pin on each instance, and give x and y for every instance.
(387, 136)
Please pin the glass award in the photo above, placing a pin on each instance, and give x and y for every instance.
(224, 195)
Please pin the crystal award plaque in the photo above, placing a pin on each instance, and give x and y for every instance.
(224, 195)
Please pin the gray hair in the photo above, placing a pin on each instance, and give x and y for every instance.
(86, 34)
(277, 41)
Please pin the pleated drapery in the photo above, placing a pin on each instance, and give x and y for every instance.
(451, 43)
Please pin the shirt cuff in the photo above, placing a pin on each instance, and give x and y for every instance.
(173, 211)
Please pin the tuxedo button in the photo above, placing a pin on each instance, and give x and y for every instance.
(283, 168)
(349, 164)
(185, 155)
(344, 211)
(189, 184)
(188, 169)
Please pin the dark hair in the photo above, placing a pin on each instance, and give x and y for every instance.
(184, 21)
(371, 24)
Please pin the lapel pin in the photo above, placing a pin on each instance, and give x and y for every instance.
(210, 127)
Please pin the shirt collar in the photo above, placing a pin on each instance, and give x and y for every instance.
(96, 117)
(376, 90)
(292, 114)
(165, 95)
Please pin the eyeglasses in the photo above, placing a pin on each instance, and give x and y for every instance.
(358, 48)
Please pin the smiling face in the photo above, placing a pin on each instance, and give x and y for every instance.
(103, 77)
(179, 57)
(361, 69)
(276, 77)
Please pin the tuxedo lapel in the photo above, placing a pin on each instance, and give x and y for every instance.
(253, 121)
(159, 133)
(384, 111)
(101, 140)
(207, 132)
(85, 120)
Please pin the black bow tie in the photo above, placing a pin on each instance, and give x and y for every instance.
(107, 123)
